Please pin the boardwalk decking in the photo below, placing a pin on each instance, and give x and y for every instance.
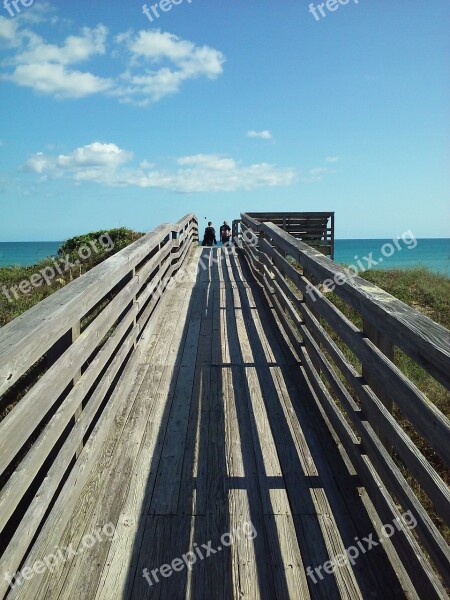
(217, 432)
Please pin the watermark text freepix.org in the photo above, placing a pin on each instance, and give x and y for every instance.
(15, 3)
(318, 10)
(188, 559)
(350, 555)
(51, 562)
(48, 273)
(153, 12)
(386, 250)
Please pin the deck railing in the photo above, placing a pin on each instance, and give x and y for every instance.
(64, 357)
(359, 402)
(313, 228)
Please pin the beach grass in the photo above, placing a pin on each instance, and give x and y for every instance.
(13, 302)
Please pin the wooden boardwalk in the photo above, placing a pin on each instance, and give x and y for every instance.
(211, 458)
(218, 433)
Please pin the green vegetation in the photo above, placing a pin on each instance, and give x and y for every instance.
(428, 293)
(112, 240)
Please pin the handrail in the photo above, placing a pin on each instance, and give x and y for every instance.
(71, 394)
(365, 399)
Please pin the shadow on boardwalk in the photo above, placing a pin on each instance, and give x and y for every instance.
(241, 441)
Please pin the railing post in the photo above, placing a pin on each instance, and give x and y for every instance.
(384, 343)
(55, 352)
(135, 301)
(76, 332)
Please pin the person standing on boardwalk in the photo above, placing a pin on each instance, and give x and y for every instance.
(210, 236)
(225, 233)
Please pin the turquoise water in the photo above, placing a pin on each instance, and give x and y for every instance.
(26, 253)
(431, 253)
(434, 254)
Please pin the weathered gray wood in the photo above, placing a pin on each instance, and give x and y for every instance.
(390, 474)
(165, 498)
(431, 483)
(431, 538)
(17, 426)
(419, 570)
(386, 468)
(255, 451)
(316, 229)
(21, 479)
(27, 338)
(384, 343)
(108, 488)
(49, 535)
(419, 467)
(120, 566)
(421, 338)
(251, 574)
(427, 419)
(72, 359)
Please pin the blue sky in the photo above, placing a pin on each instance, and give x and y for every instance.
(108, 119)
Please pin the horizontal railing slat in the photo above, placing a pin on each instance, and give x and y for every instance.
(32, 408)
(29, 336)
(302, 321)
(172, 244)
(389, 472)
(428, 420)
(421, 338)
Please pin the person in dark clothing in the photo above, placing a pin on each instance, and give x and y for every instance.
(225, 233)
(210, 235)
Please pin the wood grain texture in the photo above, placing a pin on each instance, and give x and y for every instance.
(220, 434)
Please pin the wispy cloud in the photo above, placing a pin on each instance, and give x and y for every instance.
(262, 135)
(107, 164)
(156, 63)
(332, 159)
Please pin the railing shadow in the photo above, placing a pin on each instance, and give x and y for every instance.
(208, 471)
(333, 480)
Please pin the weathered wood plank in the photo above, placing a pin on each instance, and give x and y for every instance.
(424, 340)
(120, 566)
(27, 338)
(251, 575)
(427, 419)
(165, 499)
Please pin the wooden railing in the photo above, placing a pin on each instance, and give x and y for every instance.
(357, 403)
(313, 228)
(77, 342)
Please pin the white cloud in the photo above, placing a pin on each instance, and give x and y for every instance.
(75, 49)
(108, 164)
(46, 68)
(318, 171)
(157, 63)
(49, 78)
(332, 159)
(148, 49)
(263, 135)
(93, 158)
(9, 35)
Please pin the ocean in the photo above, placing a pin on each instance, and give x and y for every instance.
(434, 254)
(25, 254)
